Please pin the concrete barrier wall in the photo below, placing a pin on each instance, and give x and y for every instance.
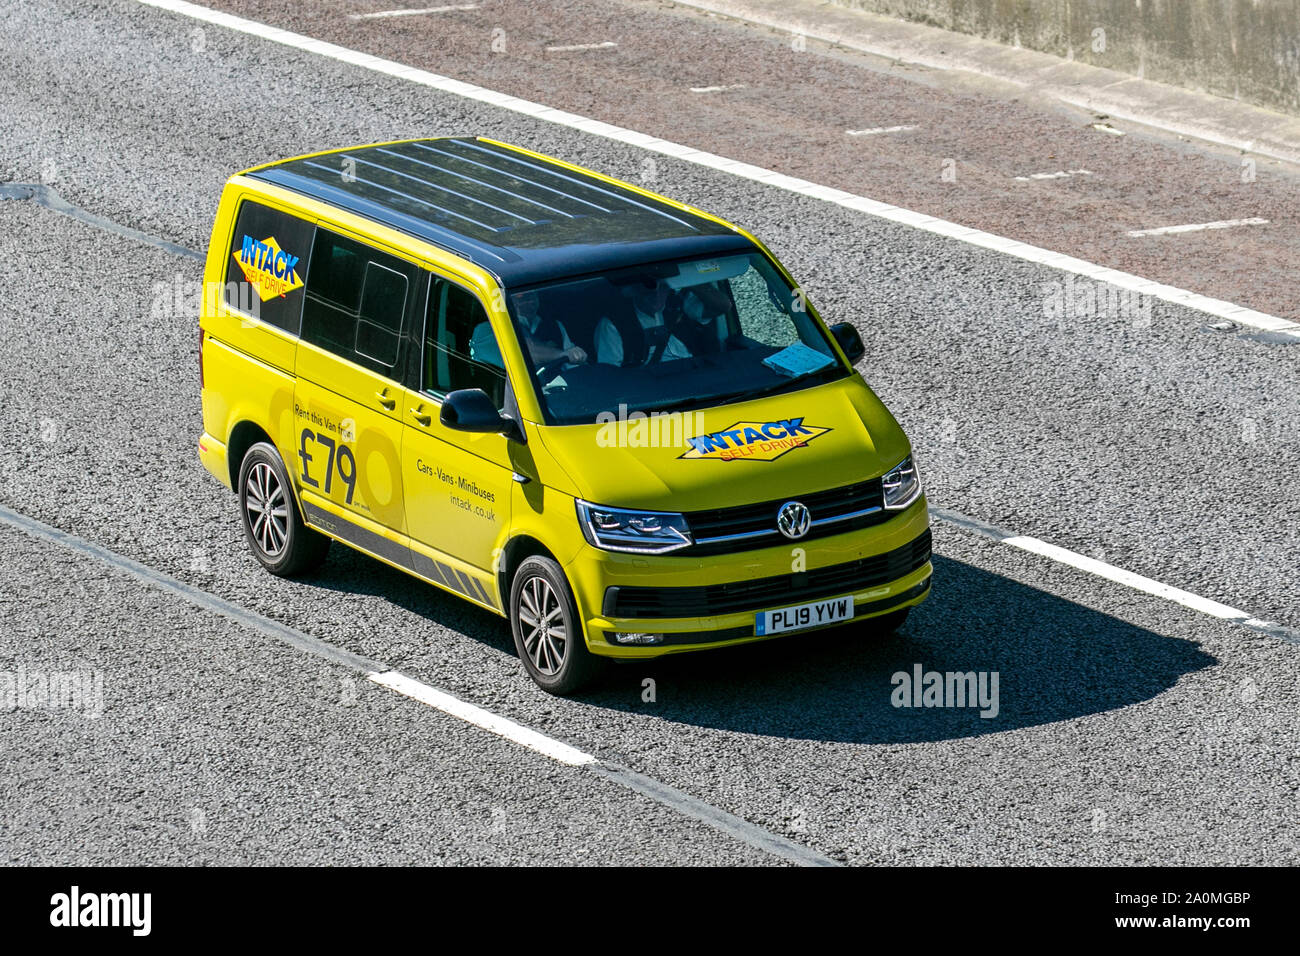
(1244, 49)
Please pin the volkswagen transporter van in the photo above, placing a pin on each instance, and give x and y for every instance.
(607, 416)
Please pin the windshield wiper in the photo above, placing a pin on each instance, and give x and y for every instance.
(790, 383)
(721, 398)
(693, 401)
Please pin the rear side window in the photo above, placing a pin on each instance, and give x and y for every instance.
(356, 301)
(267, 264)
(460, 350)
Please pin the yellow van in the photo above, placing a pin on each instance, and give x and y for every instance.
(605, 415)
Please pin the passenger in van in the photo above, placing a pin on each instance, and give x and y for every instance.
(547, 339)
(703, 325)
(649, 340)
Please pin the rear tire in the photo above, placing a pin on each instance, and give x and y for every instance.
(273, 526)
(548, 634)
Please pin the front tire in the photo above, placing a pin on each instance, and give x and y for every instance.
(548, 634)
(273, 526)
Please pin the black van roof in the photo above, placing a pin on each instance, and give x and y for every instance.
(523, 218)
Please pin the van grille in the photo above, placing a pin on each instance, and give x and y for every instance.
(746, 527)
(758, 593)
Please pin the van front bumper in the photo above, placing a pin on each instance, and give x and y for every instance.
(699, 603)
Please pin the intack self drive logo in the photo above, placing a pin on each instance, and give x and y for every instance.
(754, 441)
(122, 910)
(267, 267)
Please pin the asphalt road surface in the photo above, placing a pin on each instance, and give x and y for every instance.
(1130, 728)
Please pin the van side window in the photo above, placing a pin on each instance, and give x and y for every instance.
(356, 301)
(460, 350)
(268, 259)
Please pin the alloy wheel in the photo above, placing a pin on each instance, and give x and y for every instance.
(542, 620)
(267, 509)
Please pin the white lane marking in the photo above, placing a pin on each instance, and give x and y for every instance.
(1136, 581)
(1059, 174)
(908, 54)
(1200, 227)
(875, 130)
(906, 217)
(1107, 128)
(1118, 575)
(715, 817)
(501, 726)
(576, 47)
(384, 14)
(718, 89)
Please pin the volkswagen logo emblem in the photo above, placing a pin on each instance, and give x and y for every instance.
(793, 519)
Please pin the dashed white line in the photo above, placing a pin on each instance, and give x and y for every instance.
(1200, 227)
(577, 47)
(907, 217)
(876, 130)
(1119, 575)
(501, 726)
(718, 89)
(1059, 174)
(1127, 578)
(683, 803)
(414, 12)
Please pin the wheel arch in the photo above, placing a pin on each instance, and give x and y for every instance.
(244, 436)
(518, 548)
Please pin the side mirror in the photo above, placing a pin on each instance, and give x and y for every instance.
(849, 341)
(470, 410)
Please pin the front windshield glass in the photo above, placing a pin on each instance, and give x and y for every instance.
(669, 336)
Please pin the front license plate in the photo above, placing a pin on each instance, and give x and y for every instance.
(803, 615)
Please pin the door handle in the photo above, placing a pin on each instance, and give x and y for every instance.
(384, 400)
(424, 418)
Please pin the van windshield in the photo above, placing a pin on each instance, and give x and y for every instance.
(667, 337)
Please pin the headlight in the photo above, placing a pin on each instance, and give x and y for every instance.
(902, 485)
(620, 529)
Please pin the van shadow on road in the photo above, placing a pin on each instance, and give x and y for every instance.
(1055, 660)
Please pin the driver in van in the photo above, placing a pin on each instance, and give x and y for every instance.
(655, 344)
(547, 339)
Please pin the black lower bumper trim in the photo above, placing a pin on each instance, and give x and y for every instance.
(736, 633)
(753, 594)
